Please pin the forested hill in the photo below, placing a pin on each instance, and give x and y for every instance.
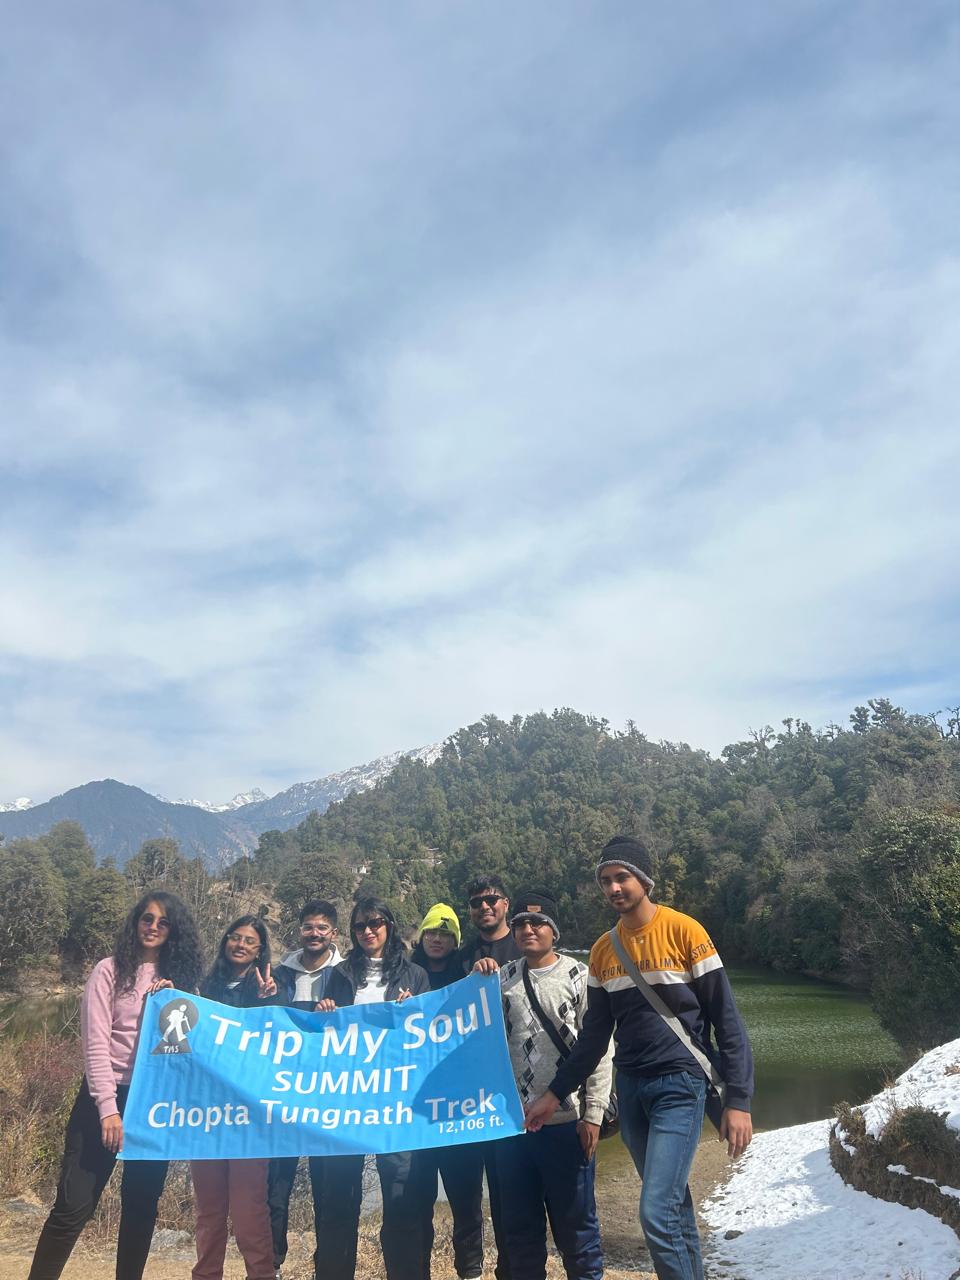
(835, 852)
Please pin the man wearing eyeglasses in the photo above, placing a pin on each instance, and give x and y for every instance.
(303, 974)
(489, 904)
(302, 980)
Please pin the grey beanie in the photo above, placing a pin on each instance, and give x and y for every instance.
(622, 851)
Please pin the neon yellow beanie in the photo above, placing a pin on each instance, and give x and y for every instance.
(440, 916)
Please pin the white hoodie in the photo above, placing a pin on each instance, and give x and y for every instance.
(304, 989)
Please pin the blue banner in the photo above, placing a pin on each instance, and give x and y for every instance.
(212, 1082)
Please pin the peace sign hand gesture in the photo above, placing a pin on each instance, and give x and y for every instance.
(266, 986)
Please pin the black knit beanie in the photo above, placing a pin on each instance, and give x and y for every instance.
(538, 905)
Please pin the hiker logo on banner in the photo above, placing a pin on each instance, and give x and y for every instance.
(213, 1082)
(177, 1019)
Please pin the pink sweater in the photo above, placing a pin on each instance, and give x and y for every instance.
(109, 1024)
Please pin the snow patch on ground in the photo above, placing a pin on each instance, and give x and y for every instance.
(928, 1083)
(799, 1221)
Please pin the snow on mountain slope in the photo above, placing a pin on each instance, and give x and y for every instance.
(242, 798)
(117, 818)
(289, 807)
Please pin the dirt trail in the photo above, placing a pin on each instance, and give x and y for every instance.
(616, 1200)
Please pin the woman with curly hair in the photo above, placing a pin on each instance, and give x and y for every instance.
(157, 947)
(237, 1189)
(376, 970)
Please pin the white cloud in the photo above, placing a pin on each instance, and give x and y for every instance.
(367, 376)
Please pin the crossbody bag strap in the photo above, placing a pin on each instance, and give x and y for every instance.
(545, 1022)
(658, 1005)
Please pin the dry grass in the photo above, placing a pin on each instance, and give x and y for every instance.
(93, 1260)
(913, 1136)
(38, 1082)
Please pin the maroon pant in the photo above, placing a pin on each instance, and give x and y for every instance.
(237, 1187)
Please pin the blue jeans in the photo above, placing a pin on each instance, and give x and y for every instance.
(660, 1122)
(548, 1171)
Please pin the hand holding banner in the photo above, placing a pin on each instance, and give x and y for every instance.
(214, 1082)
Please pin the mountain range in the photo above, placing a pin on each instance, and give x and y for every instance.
(117, 818)
(239, 800)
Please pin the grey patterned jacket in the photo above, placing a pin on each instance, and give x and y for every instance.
(562, 992)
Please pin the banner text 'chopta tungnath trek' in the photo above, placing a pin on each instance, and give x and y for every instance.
(214, 1082)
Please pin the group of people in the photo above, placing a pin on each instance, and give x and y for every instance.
(572, 1029)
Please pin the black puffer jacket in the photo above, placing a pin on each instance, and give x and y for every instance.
(242, 996)
(342, 989)
(452, 970)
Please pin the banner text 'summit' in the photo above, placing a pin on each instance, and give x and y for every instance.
(346, 1082)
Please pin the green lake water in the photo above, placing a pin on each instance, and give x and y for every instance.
(814, 1043)
(51, 1015)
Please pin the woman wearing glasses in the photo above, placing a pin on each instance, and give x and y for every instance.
(240, 977)
(157, 947)
(377, 969)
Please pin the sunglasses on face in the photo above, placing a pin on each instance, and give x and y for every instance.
(239, 940)
(534, 924)
(485, 900)
(375, 923)
(160, 921)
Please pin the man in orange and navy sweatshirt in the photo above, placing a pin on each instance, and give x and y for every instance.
(660, 1085)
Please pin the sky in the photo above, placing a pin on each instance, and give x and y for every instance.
(370, 368)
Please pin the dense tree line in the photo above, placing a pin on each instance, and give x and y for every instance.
(834, 852)
(55, 899)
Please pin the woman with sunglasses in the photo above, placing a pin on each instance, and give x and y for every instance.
(157, 947)
(241, 977)
(377, 969)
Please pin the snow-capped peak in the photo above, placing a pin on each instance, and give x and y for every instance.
(240, 799)
(294, 803)
(288, 807)
(16, 806)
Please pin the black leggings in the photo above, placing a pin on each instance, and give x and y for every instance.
(462, 1171)
(283, 1171)
(87, 1166)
